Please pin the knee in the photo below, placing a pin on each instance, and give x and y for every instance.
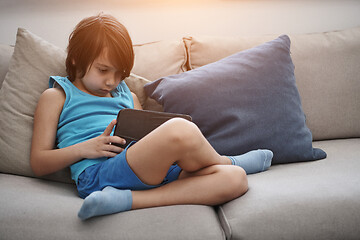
(236, 181)
(181, 132)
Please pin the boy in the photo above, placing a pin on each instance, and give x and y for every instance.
(77, 114)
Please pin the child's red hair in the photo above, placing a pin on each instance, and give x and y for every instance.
(91, 37)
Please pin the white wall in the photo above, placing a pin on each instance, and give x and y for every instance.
(151, 20)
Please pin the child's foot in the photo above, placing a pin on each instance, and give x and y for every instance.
(254, 161)
(108, 201)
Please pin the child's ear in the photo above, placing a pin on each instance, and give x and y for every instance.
(73, 62)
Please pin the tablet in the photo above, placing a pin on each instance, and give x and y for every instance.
(133, 124)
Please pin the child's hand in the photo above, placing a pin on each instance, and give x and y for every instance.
(102, 146)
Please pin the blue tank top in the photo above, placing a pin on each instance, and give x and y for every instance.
(85, 116)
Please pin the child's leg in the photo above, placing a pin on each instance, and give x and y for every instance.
(182, 142)
(178, 141)
(108, 201)
(254, 161)
(210, 186)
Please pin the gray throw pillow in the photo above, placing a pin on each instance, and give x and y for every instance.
(246, 101)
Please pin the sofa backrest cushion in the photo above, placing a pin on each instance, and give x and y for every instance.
(244, 102)
(157, 59)
(33, 61)
(6, 52)
(327, 74)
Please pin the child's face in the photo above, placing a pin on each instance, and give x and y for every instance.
(101, 78)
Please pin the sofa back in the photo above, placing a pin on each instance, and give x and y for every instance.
(327, 70)
(6, 52)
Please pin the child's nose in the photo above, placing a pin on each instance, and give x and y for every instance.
(111, 80)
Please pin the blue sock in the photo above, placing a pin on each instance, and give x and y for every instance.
(108, 201)
(254, 161)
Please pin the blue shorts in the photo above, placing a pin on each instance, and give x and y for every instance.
(117, 173)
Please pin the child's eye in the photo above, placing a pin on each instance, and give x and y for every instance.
(102, 70)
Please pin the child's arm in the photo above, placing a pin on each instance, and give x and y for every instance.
(44, 158)
(137, 104)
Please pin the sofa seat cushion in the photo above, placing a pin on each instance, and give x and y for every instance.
(309, 200)
(32, 208)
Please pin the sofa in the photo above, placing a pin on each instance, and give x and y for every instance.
(294, 199)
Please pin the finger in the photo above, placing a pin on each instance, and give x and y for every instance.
(109, 128)
(116, 139)
(111, 151)
(114, 149)
(109, 154)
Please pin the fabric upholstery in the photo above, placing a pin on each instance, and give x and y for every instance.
(29, 68)
(327, 74)
(158, 59)
(243, 102)
(6, 52)
(313, 200)
(36, 209)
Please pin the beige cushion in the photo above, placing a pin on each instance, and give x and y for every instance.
(159, 59)
(33, 61)
(6, 52)
(206, 49)
(327, 74)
